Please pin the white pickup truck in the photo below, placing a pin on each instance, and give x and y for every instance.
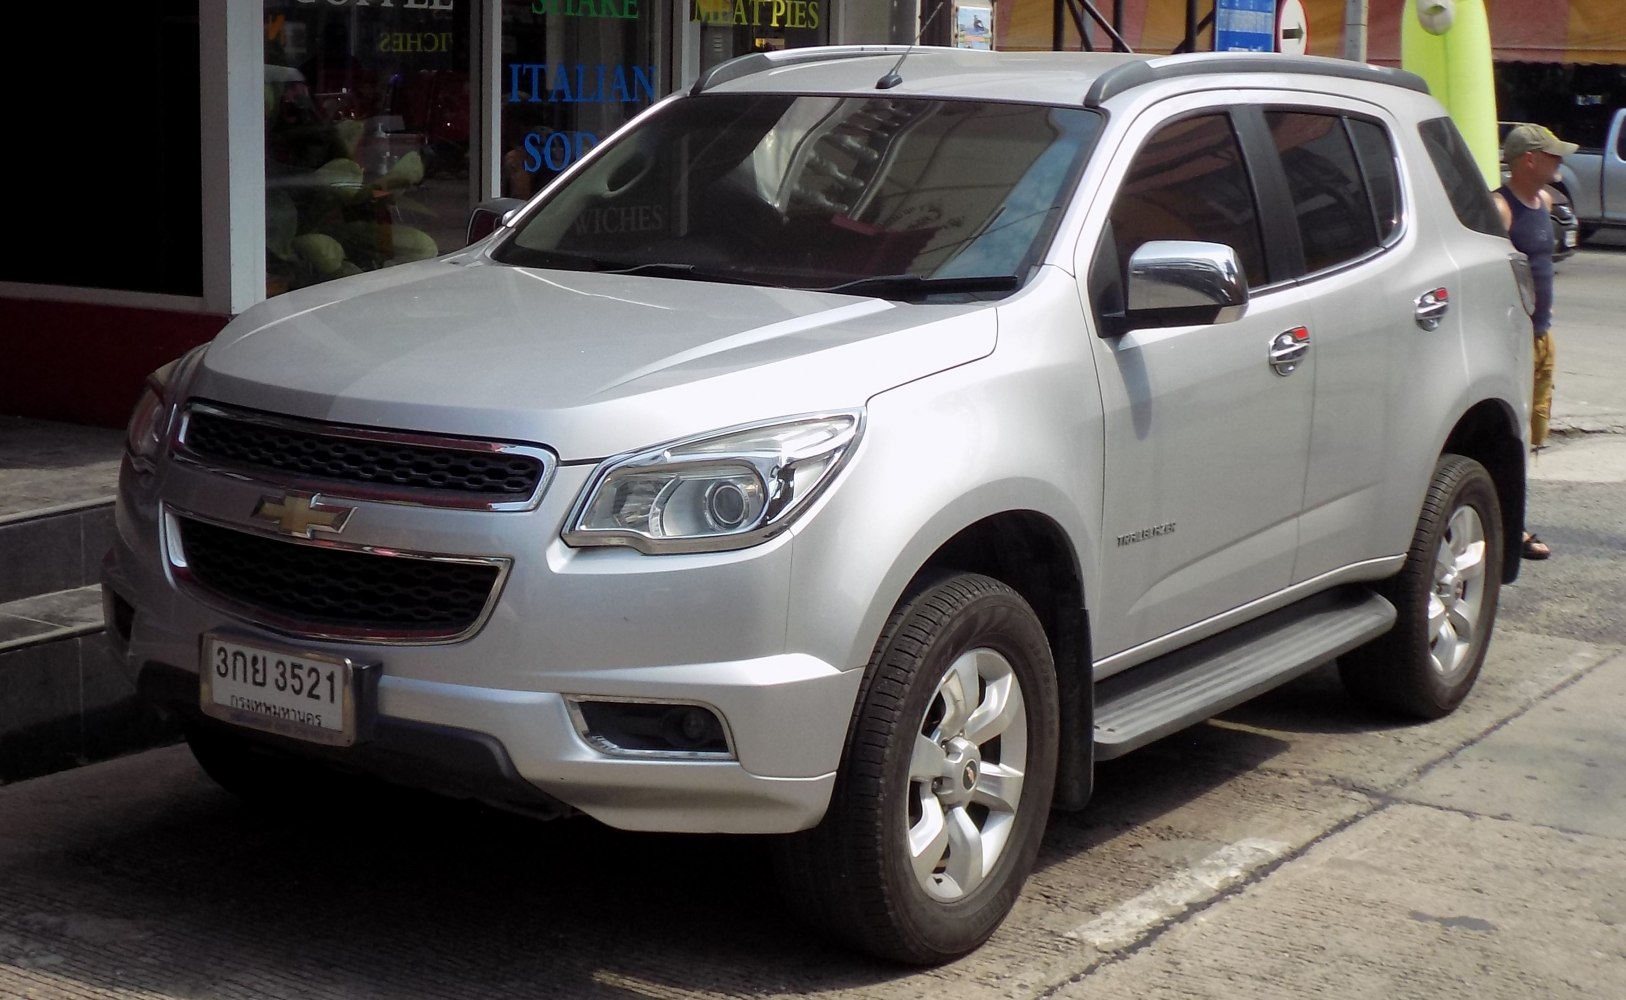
(1595, 180)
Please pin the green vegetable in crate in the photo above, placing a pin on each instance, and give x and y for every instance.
(410, 244)
(407, 172)
(341, 176)
(323, 253)
(346, 134)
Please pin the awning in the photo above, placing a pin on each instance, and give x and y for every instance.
(1548, 31)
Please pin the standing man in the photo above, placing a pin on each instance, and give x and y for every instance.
(1532, 154)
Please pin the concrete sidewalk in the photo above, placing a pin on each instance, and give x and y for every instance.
(1498, 874)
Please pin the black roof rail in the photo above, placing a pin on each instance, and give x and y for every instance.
(1126, 77)
(761, 62)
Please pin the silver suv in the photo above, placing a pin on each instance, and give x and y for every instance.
(855, 448)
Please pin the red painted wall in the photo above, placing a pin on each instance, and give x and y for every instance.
(84, 363)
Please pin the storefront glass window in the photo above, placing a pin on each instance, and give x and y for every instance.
(366, 135)
(572, 72)
(730, 28)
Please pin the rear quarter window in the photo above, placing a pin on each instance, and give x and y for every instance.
(1464, 185)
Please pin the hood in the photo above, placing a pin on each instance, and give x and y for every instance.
(587, 364)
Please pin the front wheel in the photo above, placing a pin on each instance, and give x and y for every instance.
(945, 786)
(1445, 596)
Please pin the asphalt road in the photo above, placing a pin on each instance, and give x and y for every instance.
(1294, 847)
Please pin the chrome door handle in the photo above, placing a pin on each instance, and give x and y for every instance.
(1288, 348)
(1432, 307)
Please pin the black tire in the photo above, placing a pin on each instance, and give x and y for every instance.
(853, 877)
(1425, 666)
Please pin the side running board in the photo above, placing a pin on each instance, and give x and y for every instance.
(1165, 695)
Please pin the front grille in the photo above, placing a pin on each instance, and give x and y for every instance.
(482, 470)
(341, 591)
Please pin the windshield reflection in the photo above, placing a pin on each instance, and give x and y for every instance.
(816, 192)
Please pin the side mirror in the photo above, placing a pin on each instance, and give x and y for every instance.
(1183, 282)
(489, 214)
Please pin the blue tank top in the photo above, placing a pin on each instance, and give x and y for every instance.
(1532, 235)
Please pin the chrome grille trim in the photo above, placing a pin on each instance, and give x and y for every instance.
(362, 489)
(182, 576)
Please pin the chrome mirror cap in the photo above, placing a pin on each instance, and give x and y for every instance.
(1185, 274)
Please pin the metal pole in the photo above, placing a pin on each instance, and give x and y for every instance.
(1355, 30)
(905, 21)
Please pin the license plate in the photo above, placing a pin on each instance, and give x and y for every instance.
(1570, 239)
(293, 692)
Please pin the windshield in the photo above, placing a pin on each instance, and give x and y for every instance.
(819, 192)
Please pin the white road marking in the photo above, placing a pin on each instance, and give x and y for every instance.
(1127, 922)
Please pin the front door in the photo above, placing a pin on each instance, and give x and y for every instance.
(1206, 441)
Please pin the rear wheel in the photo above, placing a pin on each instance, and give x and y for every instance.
(944, 789)
(1445, 596)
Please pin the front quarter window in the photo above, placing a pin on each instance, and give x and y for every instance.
(817, 191)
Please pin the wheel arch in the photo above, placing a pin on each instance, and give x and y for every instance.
(1031, 553)
(1489, 434)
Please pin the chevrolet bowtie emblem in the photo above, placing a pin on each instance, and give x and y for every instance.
(301, 514)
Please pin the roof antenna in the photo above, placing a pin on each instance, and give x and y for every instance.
(892, 79)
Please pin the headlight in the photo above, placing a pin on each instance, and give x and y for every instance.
(149, 422)
(145, 434)
(707, 494)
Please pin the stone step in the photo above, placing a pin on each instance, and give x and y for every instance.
(65, 614)
(56, 505)
(53, 549)
(65, 699)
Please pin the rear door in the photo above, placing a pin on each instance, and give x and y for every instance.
(1367, 278)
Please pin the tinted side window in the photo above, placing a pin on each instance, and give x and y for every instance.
(1377, 156)
(1188, 183)
(1329, 199)
(1464, 184)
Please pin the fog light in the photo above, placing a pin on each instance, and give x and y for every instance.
(650, 729)
(692, 728)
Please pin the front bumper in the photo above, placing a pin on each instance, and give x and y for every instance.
(613, 625)
(519, 751)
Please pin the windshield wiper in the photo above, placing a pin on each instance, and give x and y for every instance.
(569, 261)
(675, 269)
(914, 286)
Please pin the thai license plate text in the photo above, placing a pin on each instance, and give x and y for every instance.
(293, 692)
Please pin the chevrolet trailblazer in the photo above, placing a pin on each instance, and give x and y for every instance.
(853, 449)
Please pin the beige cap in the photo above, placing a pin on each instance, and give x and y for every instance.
(1527, 137)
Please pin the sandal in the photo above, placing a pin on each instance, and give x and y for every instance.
(1535, 548)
